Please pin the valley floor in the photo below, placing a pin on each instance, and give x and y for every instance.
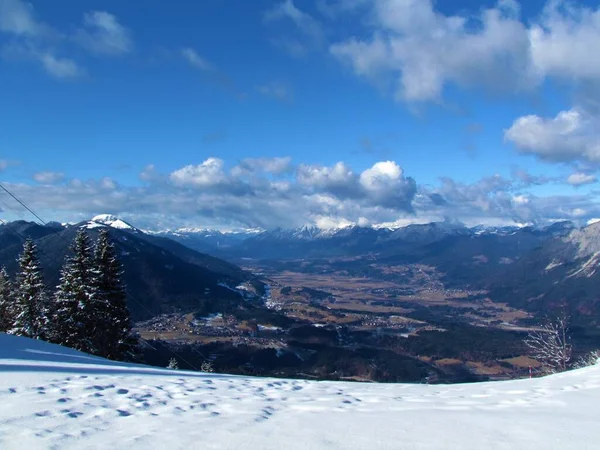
(51, 397)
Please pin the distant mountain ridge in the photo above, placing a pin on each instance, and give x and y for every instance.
(565, 271)
(162, 275)
(533, 268)
(311, 241)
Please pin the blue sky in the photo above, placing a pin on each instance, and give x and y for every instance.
(279, 113)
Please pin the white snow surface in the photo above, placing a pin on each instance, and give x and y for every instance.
(111, 221)
(56, 398)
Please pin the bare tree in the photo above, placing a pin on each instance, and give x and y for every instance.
(589, 359)
(550, 344)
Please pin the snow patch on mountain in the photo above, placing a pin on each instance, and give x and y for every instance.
(587, 240)
(552, 265)
(110, 221)
(206, 232)
(589, 267)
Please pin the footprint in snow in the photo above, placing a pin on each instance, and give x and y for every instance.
(70, 413)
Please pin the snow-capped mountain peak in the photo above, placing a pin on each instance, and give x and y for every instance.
(110, 221)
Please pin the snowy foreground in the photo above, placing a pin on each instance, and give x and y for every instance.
(52, 397)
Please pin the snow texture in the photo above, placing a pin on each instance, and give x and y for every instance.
(52, 397)
(109, 220)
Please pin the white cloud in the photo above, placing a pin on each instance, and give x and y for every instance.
(340, 175)
(150, 174)
(275, 166)
(520, 200)
(17, 17)
(381, 175)
(561, 41)
(579, 179)
(60, 67)
(209, 173)
(263, 196)
(3, 164)
(103, 34)
(49, 177)
(386, 184)
(417, 50)
(327, 223)
(303, 21)
(108, 184)
(422, 50)
(54, 65)
(34, 40)
(363, 222)
(383, 184)
(195, 60)
(570, 136)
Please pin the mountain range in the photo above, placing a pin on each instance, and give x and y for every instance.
(313, 242)
(539, 269)
(563, 272)
(161, 275)
(536, 269)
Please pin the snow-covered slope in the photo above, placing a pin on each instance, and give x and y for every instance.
(109, 221)
(51, 397)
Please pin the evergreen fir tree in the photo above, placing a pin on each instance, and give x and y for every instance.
(30, 301)
(6, 302)
(173, 364)
(115, 340)
(76, 311)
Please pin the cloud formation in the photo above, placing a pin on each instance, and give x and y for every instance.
(309, 32)
(271, 192)
(417, 51)
(287, 10)
(195, 60)
(103, 34)
(48, 177)
(579, 179)
(414, 51)
(100, 33)
(252, 166)
(570, 136)
(207, 174)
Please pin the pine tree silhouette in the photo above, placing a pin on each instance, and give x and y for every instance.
(30, 300)
(6, 302)
(76, 310)
(116, 340)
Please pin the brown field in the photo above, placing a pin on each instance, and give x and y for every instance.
(523, 361)
(361, 295)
